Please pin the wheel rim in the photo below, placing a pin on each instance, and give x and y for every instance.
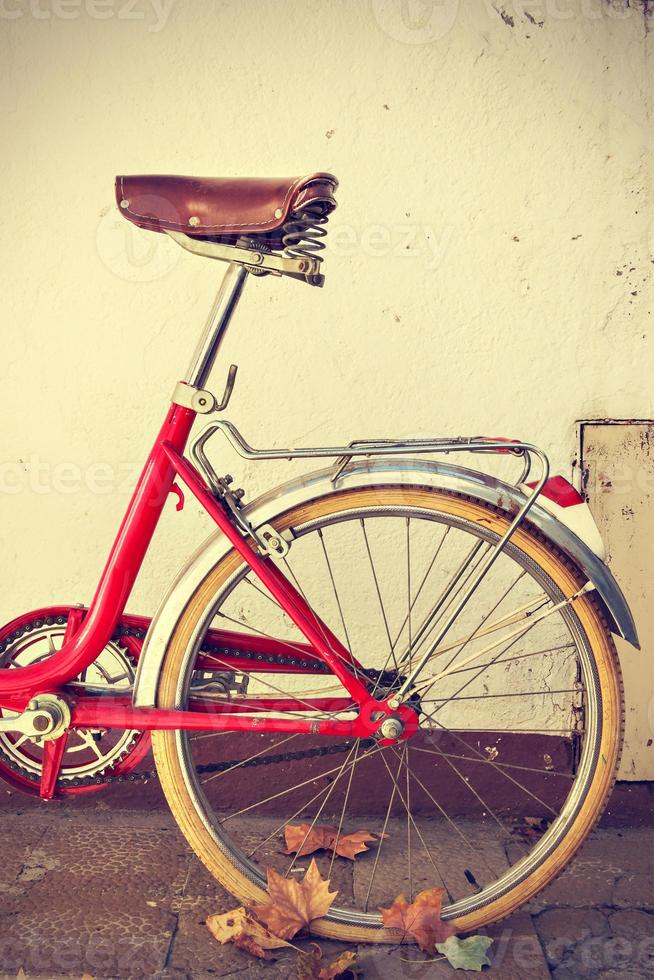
(585, 764)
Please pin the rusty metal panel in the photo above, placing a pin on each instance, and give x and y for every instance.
(617, 460)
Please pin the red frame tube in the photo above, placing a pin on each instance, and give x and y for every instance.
(92, 630)
(88, 713)
(123, 565)
(323, 641)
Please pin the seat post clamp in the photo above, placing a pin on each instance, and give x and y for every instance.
(197, 399)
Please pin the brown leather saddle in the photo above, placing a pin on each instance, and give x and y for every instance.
(224, 209)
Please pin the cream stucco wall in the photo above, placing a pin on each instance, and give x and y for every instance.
(489, 260)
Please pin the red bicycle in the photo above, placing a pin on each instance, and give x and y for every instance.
(391, 642)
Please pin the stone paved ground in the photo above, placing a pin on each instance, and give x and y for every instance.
(115, 893)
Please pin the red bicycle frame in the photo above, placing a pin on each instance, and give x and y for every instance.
(88, 631)
(165, 463)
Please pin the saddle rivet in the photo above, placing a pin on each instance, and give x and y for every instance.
(124, 203)
(278, 213)
(194, 221)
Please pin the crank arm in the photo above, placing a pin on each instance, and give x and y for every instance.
(45, 717)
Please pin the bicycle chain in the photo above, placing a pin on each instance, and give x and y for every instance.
(103, 779)
(264, 760)
(213, 767)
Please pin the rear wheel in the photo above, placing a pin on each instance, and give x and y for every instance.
(519, 708)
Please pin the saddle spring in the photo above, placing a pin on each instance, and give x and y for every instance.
(304, 232)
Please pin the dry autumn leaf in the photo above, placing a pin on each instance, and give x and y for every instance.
(344, 966)
(531, 829)
(466, 954)
(302, 839)
(310, 966)
(420, 919)
(294, 904)
(240, 928)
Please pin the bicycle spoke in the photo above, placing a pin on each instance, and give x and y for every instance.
(509, 660)
(533, 620)
(291, 789)
(427, 683)
(287, 820)
(503, 765)
(412, 821)
(518, 731)
(478, 629)
(491, 763)
(424, 580)
(408, 822)
(343, 809)
(336, 595)
(391, 652)
(316, 620)
(480, 670)
(517, 615)
(332, 787)
(408, 586)
(297, 646)
(452, 823)
(382, 838)
(267, 595)
(441, 606)
(243, 762)
(453, 589)
(510, 694)
(469, 786)
(201, 737)
(278, 690)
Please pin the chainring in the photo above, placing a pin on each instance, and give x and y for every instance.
(92, 756)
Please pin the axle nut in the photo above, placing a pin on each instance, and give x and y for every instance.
(392, 728)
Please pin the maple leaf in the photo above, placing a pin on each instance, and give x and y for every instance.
(466, 954)
(421, 919)
(310, 966)
(240, 928)
(302, 839)
(294, 904)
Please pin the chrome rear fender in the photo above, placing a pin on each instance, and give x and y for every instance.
(375, 472)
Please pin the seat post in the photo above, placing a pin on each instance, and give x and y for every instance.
(215, 328)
